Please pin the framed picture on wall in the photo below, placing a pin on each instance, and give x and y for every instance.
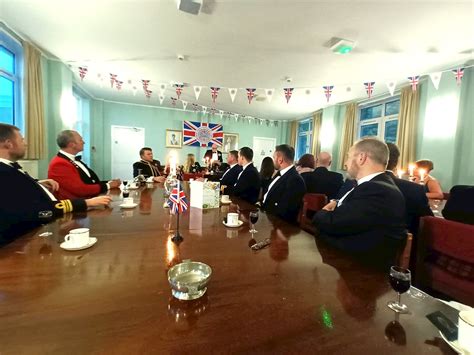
(230, 142)
(173, 138)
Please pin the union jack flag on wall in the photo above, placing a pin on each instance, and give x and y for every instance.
(203, 134)
(414, 81)
(177, 200)
(214, 93)
(179, 89)
(458, 73)
(328, 91)
(369, 88)
(250, 94)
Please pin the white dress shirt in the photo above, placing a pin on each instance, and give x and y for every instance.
(360, 181)
(282, 172)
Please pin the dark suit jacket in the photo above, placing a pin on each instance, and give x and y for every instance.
(323, 181)
(209, 155)
(285, 197)
(416, 202)
(370, 221)
(73, 181)
(346, 187)
(146, 170)
(230, 177)
(25, 205)
(460, 204)
(247, 186)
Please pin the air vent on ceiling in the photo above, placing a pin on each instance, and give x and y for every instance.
(190, 6)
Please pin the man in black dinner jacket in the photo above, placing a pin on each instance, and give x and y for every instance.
(247, 186)
(229, 178)
(369, 220)
(321, 180)
(284, 196)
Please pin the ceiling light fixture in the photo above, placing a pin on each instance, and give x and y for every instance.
(342, 46)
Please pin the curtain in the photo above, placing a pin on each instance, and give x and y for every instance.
(293, 131)
(406, 131)
(34, 110)
(317, 120)
(347, 132)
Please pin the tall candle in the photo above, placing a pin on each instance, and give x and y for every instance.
(411, 169)
(422, 173)
(400, 173)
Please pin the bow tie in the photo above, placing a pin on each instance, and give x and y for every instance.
(277, 174)
(17, 166)
(78, 158)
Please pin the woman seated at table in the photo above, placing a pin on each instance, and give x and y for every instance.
(267, 169)
(191, 166)
(432, 186)
(305, 164)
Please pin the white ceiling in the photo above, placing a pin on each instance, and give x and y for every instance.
(254, 43)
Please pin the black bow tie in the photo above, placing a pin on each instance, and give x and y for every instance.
(17, 166)
(78, 158)
(277, 174)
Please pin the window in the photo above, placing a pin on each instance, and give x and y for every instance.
(303, 139)
(11, 61)
(380, 120)
(82, 119)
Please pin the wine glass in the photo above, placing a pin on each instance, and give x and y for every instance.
(125, 182)
(253, 219)
(400, 280)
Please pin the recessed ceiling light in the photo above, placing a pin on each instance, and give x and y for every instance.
(342, 46)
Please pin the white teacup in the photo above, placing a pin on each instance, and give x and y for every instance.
(79, 236)
(225, 198)
(466, 330)
(232, 219)
(128, 201)
(133, 185)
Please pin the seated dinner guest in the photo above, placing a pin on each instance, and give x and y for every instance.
(149, 167)
(416, 202)
(305, 164)
(284, 196)
(267, 170)
(230, 175)
(321, 180)
(460, 204)
(432, 187)
(247, 186)
(75, 178)
(191, 166)
(369, 220)
(27, 203)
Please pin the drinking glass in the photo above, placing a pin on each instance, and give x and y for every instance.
(400, 280)
(125, 182)
(253, 219)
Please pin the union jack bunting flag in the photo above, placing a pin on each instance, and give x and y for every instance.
(196, 107)
(82, 72)
(213, 111)
(288, 93)
(113, 78)
(148, 93)
(250, 94)
(458, 73)
(173, 101)
(118, 84)
(179, 89)
(369, 88)
(328, 91)
(214, 93)
(145, 84)
(203, 134)
(414, 81)
(177, 200)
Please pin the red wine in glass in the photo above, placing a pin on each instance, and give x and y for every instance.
(400, 280)
(253, 219)
(398, 284)
(125, 193)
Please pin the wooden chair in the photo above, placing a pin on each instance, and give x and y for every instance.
(311, 204)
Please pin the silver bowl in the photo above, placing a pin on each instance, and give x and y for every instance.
(188, 280)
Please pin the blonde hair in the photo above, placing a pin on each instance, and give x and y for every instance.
(190, 160)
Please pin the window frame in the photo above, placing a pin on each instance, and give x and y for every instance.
(308, 133)
(380, 121)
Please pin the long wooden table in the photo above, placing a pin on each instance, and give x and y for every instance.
(296, 296)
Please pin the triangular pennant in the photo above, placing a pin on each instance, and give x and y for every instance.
(134, 90)
(236, 117)
(369, 88)
(221, 113)
(173, 101)
(288, 92)
(214, 93)
(118, 84)
(250, 94)
(148, 93)
(162, 89)
(204, 109)
(197, 91)
(195, 107)
(213, 111)
(435, 79)
(185, 104)
(113, 77)
(161, 99)
(179, 89)
(269, 93)
(458, 74)
(232, 93)
(391, 86)
(328, 91)
(414, 81)
(82, 72)
(145, 84)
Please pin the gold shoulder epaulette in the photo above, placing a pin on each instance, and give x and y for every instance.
(64, 205)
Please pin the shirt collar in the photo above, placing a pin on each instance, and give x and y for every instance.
(6, 161)
(283, 171)
(232, 165)
(245, 166)
(368, 177)
(70, 156)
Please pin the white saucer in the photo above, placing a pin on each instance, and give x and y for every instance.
(133, 187)
(454, 345)
(70, 246)
(226, 202)
(133, 205)
(237, 225)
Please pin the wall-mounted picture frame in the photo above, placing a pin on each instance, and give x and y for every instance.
(174, 138)
(230, 141)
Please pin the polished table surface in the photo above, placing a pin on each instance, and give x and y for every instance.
(294, 296)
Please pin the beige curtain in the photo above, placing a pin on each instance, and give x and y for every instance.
(317, 121)
(34, 110)
(406, 132)
(348, 132)
(293, 131)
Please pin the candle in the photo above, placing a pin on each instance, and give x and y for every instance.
(411, 169)
(400, 173)
(173, 162)
(422, 173)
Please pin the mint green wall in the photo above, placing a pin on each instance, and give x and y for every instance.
(330, 136)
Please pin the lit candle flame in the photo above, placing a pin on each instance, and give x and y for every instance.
(411, 168)
(422, 173)
(400, 173)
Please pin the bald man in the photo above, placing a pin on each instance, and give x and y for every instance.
(321, 180)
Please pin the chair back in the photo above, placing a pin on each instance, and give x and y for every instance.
(311, 204)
